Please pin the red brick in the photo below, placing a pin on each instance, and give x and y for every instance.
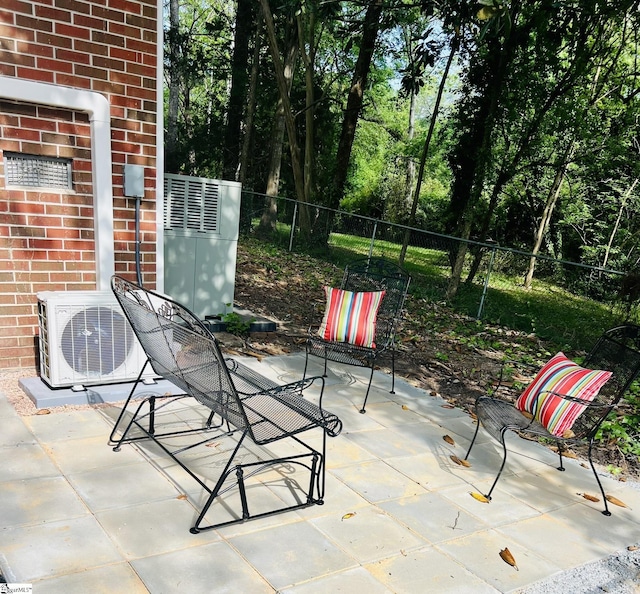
(90, 48)
(46, 150)
(124, 30)
(71, 56)
(7, 17)
(75, 128)
(125, 6)
(73, 31)
(33, 123)
(33, 23)
(7, 69)
(107, 14)
(141, 22)
(91, 72)
(21, 134)
(74, 5)
(126, 102)
(108, 87)
(28, 49)
(89, 22)
(142, 46)
(72, 80)
(54, 14)
(63, 139)
(108, 63)
(55, 65)
(141, 69)
(125, 55)
(54, 40)
(102, 37)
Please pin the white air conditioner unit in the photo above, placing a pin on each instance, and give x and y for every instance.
(85, 339)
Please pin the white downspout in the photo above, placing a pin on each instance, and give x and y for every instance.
(97, 106)
(160, 151)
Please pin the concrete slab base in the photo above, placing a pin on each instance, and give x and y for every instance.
(43, 396)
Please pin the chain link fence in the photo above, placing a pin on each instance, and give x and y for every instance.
(561, 296)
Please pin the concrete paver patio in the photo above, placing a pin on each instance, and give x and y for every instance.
(398, 515)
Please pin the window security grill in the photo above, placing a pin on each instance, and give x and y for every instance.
(33, 171)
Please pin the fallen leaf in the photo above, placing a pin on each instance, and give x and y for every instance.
(459, 461)
(507, 557)
(632, 548)
(589, 497)
(449, 439)
(616, 501)
(527, 414)
(479, 496)
(568, 434)
(44, 411)
(348, 516)
(521, 378)
(447, 406)
(405, 407)
(183, 496)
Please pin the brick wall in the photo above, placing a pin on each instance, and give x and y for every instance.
(47, 237)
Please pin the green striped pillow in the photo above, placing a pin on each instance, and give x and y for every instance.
(350, 316)
(563, 376)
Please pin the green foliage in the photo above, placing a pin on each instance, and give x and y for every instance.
(622, 427)
(236, 324)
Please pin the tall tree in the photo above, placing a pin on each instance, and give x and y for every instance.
(244, 27)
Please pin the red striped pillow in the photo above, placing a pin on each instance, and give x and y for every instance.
(350, 316)
(563, 376)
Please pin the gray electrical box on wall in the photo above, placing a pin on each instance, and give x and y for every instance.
(201, 226)
(134, 181)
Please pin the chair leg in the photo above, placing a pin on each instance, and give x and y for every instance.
(605, 511)
(473, 440)
(306, 362)
(561, 467)
(504, 461)
(362, 410)
(393, 371)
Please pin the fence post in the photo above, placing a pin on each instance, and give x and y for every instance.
(293, 226)
(373, 238)
(486, 283)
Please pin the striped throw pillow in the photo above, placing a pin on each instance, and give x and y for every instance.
(563, 376)
(350, 316)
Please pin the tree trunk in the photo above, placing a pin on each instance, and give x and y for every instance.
(283, 91)
(307, 52)
(251, 107)
(270, 213)
(370, 28)
(552, 199)
(617, 223)
(425, 151)
(171, 140)
(238, 90)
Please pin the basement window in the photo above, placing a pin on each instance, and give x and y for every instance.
(34, 171)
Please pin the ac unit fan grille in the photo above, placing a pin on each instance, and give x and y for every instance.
(96, 341)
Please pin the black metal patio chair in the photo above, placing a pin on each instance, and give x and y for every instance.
(370, 275)
(239, 407)
(616, 351)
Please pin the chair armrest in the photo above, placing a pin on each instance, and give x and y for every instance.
(249, 383)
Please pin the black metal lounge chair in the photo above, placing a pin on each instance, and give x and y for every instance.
(366, 276)
(616, 351)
